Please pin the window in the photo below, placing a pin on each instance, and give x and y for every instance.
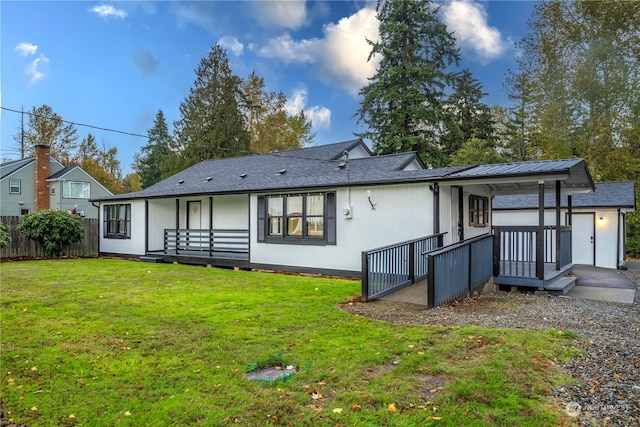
(297, 218)
(14, 186)
(76, 190)
(117, 221)
(478, 211)
(24, 211)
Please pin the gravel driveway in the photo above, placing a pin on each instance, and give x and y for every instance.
(608, 377)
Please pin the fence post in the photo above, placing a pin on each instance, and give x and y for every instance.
(431, 279)
(412, 262)
(365, 276)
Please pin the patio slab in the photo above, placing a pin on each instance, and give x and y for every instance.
(623, 296)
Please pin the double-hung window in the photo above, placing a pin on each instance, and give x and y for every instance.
(297, 218)
(478, 211)
(117, 221)
(14, 186)
(76, 190)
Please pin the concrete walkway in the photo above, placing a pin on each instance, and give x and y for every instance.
(603, 284)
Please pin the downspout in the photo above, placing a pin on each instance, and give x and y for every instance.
(435, 189)
(619, 242)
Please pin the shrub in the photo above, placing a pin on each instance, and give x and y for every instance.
(54, 229)
(4, 235)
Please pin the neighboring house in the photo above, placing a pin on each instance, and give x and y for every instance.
(598, 220)
(320, 210)
(42, 182)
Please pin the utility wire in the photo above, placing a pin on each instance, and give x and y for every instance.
(78, 124)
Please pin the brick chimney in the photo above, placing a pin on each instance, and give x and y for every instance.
(43, 170)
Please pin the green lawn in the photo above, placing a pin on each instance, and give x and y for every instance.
(101, 342)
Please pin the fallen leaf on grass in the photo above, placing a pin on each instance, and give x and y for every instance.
(356, 406)
(392, 407)
(33, 408)
(434, 418)
(337, 410)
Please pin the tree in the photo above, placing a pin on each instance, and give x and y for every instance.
(45, 126)
(101, 163)
(403, 103)
(476, 151)
(211, 124)
(148, 162)
(53, 229)
(4, 235)
(518, 124)
(269, 126)
(131, 182)
(472, 118)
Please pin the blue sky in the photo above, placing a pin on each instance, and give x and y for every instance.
(114, 64)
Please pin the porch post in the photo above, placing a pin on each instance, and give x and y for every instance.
(540, 233)
(570, 223)
(177, 225)
(210, 226)
(558, 233)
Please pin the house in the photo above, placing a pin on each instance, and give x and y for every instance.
(333, 209)
(42, 182)
(598, 220)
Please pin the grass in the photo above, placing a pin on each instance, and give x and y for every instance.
(104, 342)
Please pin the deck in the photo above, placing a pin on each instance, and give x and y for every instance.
(202, 257)
(523, 273)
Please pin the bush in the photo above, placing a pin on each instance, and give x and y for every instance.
(4, 235)
(55, 230)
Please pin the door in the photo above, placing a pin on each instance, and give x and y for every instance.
(583, 238)
(457, 229)
(196, 240)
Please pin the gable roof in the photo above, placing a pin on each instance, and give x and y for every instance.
(62, 172)
(607, 195)
(326, 167)
(11, 167)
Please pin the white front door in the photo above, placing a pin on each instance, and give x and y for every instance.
(583, 238)
(195, 217)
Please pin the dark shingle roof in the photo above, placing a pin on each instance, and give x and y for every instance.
(62, 172)
(607, 194)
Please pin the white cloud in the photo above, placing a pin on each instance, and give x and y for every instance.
(281, 14)
(107, 11)
(232, 44)
(341, 55)
(468, 21)
(26, 49)
(285, 48)
(193, 14)
(320, 116)
(33, 71)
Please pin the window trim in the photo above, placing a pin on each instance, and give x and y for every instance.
(117, 222)
(477, 204)
(328, 220)
(11, 181)
(86, 189)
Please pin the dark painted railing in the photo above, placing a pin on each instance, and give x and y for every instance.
(457, 269)
(393, 267)
(208, 241)
(517, 250)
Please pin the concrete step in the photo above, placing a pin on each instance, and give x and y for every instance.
(152, 259)
(561, 286)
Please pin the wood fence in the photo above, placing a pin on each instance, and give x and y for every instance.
(20, 247)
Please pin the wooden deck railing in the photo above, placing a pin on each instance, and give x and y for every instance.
(183, 241)
(392, 267)
(522, 252)
(457, 269)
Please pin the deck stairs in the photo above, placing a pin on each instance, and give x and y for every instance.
(561, 286)
(151, 259)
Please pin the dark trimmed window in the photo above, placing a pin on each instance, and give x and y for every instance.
(478, 211)
(117, 221)
(307, 218)
(14, 186)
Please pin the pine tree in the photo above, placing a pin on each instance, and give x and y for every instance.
(148, 162)
(211, 123)
(403, 104)
(46, 126)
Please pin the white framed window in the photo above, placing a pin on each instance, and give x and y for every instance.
(14, 186)
(76, 190)
(478, 211)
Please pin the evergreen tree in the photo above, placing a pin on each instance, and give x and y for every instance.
(211, 123)
(269, 125)
(148, 162)
(403, 104)
(46, 126)
(472, 118)
(519, 122)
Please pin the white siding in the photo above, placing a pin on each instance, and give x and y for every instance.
(231, 212)
(132, 246)
(162, 215)
(606, 229)
(402, 212)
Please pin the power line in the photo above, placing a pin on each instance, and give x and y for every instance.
(78, 124)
